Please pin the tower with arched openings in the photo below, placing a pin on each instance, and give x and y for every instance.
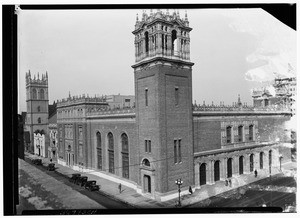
(163, 91)
(37, 109)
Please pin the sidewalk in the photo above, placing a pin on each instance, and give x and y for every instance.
(131, 197)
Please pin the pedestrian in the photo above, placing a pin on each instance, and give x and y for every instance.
(120, 188)
(190, 190)
(226, 182)
(255, 173)
(50, 160)
(230, 183)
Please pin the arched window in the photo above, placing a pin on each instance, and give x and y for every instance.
(251, 133)
(270, 158)
(39, 108)
(34, 94)
(146, 42)
(99, 151)
(203, 174)
(146, 162)
(241, 165)
(261, 160)
(174, 41)
(111, 162)
(251, 162)
(241, 133)
(217, 170)
(229, 168)
(125, 156)
(39, 120)
(228, 134)
(42, 94)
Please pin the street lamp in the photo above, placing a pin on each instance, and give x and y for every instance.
(179, 183)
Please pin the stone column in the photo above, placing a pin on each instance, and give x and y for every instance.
(197, 175)
(247, 163)
(212, 172)
(178, 46)
(223, 169)
(235, 165)
(208, 172)
(159, 43)
(188, 50)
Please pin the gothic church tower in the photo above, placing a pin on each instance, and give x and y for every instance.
(37, 106)
(163, 90)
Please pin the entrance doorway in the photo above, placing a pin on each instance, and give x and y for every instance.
(241, 165)
(251, 162)
(147, 184)
(203, 174)
(229, 168)
(217, 170)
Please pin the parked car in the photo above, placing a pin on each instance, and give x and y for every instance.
(92, 186)
(81, 180)
(74, 177)
(37, 161)
(51, 167)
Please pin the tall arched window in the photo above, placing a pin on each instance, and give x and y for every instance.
(251, 162)
(125, 156)
(228, 134)
(203, 174)
(251, 133)
(111, 162)
(229, 168)
(241, 165)
(217, 170)
(146, 42)
(34, 94)
(99, 151)
(39, 108)
(39, 120)
(270, 158)
(261, 160)
(42, 94)
(241, 133)
(174, 41)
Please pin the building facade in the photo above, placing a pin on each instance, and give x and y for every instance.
(163, 136)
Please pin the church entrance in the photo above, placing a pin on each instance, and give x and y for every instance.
(203, 174)
(147, 184)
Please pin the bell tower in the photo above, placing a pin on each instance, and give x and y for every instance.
(163, 90)
(37, 107)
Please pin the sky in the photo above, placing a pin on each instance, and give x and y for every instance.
(92, 51)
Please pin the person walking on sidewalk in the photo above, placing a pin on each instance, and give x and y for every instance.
(255, 173)
(120, 188)
(230, 183)
(190, 190)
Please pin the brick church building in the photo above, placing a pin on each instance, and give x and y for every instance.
(163, 137)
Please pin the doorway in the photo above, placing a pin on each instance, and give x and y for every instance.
(229, 168)
(217, 170)
(147, 184)
(203, 174)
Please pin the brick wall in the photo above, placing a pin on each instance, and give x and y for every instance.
(207, 135)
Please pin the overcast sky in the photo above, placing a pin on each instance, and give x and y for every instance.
(91, 51)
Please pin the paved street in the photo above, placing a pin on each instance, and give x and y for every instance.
(277, 191)
(46, 190)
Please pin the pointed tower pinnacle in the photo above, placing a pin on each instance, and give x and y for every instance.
(69, 94)
(151, 12)
(239, 103)
(46, 75)
(186, 17)
(137, 17)
(38, 76)
(167, 13)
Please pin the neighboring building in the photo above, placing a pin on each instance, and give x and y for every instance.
(40, 147)
(52, 128)
(164, 137)
(120, 101)
(37, 109)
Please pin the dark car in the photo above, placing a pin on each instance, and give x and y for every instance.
(51, 167)
(37, 161)
(81, 180)
(74, 177)
(91, 186)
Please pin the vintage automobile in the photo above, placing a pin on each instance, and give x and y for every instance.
(37, 161)
(51, 167)
(92, 186)
(81, 180)
(74, 177)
